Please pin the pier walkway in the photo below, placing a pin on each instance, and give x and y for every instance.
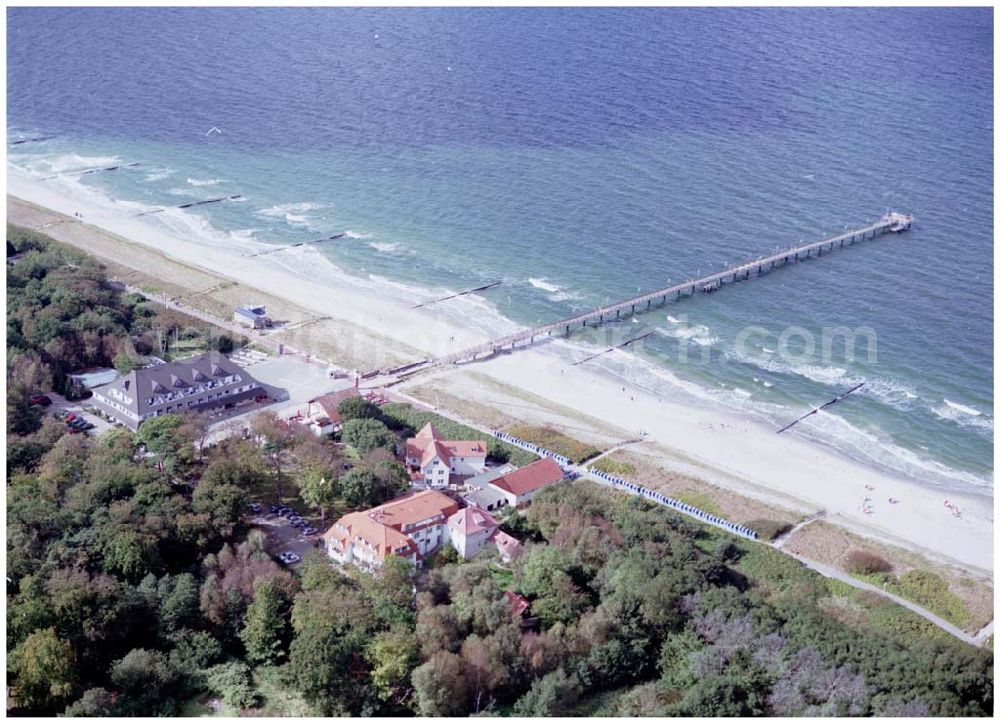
(890, 222)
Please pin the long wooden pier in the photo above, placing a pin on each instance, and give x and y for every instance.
(890, 222)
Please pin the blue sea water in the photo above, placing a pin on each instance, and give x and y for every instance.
(582, 155)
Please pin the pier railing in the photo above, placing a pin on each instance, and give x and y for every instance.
(891, 222)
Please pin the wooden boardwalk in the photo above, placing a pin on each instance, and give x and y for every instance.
(891, 222)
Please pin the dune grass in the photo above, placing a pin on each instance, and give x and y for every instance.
(549, 438)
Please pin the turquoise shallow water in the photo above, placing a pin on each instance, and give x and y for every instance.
(581, 156)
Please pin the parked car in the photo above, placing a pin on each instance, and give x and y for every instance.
(291, 514)
(289, 558)
(309, 531)
(40, 400)
(275, 508)
(255, 508)
(70, 416)
(282, 511)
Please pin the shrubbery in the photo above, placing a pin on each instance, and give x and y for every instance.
(930, 591)
(860, 562)
(769, 529)
(366, 435)
(233, 682)
(132, 577)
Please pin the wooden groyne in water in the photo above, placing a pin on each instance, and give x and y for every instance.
(84, 172)
(891, 222)
(471, 290)
(188, 205)
(297, 244)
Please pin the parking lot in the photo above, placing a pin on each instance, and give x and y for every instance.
(282, 536)
(291, 382)
(60, 408)
(301, 381)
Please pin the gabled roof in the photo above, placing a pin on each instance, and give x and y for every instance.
(363, 529)
(485, 497)
(145, 383)
(509, 547)
(382, 528)
(428, 432)
(518, 605)
(427, 444)
(531, 477)
(471, 520)
(435, 449)
(330, 402)
(412, 508)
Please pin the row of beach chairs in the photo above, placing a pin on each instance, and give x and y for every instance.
(533, 448)
(732, 527)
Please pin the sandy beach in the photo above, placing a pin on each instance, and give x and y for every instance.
(722, 448)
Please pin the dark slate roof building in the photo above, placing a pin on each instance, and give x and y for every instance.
(207, 381)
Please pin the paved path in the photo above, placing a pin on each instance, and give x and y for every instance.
(779, 542)
(230, 325)
(617, 447)
(834, 573)
(826, 570)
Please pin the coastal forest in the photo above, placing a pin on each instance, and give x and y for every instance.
(139, 586)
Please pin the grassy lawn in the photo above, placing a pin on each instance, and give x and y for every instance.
(195, 708)
(350, 453)
(776, 574)
(616, 468)
(925, 589)
(276, 698)
(549, 438)
(702, 501)
(503, 577)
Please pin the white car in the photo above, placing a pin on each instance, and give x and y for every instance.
(289, 558)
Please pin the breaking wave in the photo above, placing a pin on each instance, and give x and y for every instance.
(966, 416)
(156, 175)
(385, 246)
(204, 182)
(351, 234)
(543, 284)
